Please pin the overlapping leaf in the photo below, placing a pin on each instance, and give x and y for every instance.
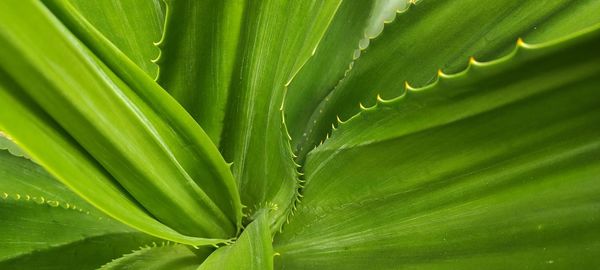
(46, 226)
(496, 165)
(163, 256)
(335, 52)
(132, 25)
(199, 51)
(91, 129)
(277, 38)
(441, 34)
(251, 251)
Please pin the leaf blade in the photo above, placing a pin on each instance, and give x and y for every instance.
(405, 51)
(501, 180)
(43, 223)
(199, 51)
(252, 250)
(107, 109)
(164, 256)
(133, 26)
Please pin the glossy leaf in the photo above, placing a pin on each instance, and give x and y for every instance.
(251, 251)
(493, 166)
(46, 226)
(167, 172)
(442, 34)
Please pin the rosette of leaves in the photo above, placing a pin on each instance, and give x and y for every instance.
(302, 134)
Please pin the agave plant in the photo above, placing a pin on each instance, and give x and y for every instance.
(301, 134)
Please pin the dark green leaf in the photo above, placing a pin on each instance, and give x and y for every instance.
(495, 166)
(442, 34)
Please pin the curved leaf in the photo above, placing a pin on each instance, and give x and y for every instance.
(46, 226)
(132, 25)
(10, 146)
(195, 143)
(442, 34)
(322, 72)
(164, 256)
(277, 38)
(251, 251)
(165, 169)
(496, 165)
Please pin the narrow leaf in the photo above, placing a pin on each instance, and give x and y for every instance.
(199, 53)
(167, 172)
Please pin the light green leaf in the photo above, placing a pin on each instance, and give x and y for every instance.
(46, 226)
(83, 106)
(21, 176)
(131, 25)
(195, 142)
(277, 38)
(251, 251)
(442, 34)
(199, 51)
(7, 144)
(163, 256)
(495, 167)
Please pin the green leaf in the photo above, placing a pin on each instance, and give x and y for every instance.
(442, 34)
(164, 256)
(22, 176)
(496, 165)
(46, 226)
(277, 38)
(10, 146)
(251, 251)
(131, 25)
(95, 131)
(195, 140)
(199, 51)
(322, 72)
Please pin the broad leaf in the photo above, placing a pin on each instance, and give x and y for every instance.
(198, 57)
(436, 35)
(46, 226)
(251, 251)
(83, 112)
(496, 165)
(162, 256)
